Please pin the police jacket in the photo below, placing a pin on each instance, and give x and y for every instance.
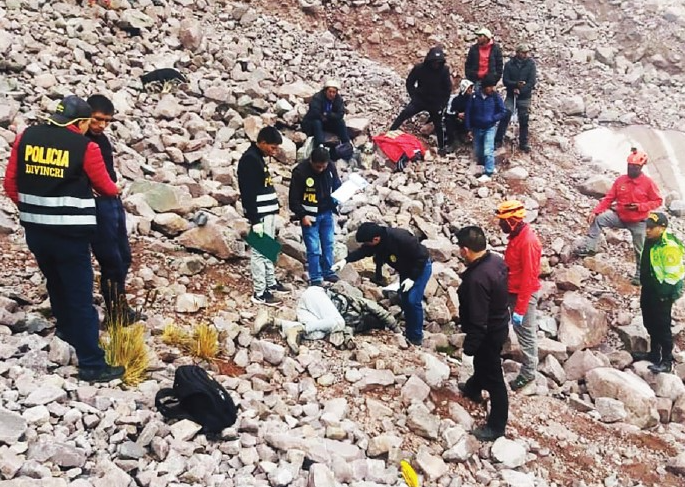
(51, 175)
(398, 248)
(321, 108)
(257, 191)
(520, 70)
(483, 299)
(310, 193)
(661, 267)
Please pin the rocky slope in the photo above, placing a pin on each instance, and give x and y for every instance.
(329, 417)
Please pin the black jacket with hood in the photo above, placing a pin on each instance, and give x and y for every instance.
(473, 61)
(520, 70)
(428, 86)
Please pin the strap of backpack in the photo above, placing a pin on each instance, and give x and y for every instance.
(167, 404)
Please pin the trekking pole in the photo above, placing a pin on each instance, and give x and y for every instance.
(515, 122)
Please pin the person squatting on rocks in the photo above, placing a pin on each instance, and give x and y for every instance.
(326, 114)
(455, 128)
(429, 85)
(484, 316)
(519, 78)
(402, 251)
(626, 205)
(483, 111)
(661, 277)
(310, 200)
(334, 313)
(110, 243)
(260, 203)
(52, 172)
(484, 58)
(522, 257)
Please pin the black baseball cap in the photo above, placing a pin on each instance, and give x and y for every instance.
(657, 219)
(69, 110)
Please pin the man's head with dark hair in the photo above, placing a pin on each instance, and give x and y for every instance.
(103, 113)
(471, 242)
(369, 233)
(488, 84)
(319, 159)
(268, 140)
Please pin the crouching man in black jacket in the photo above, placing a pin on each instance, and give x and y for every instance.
(403, 252)
(484, 315)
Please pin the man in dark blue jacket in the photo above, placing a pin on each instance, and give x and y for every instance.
(326, 113)
(485, 109)
(519, 78)
(429, 86)
(484, 314)
(310, 200)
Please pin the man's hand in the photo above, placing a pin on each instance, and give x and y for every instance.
(516, 319)
(338, 265)
(258, 228)
(306, 222)
(631, 206)
(406, 285)
(461, 115)
(469, 136)
(517, 92)
(591, 218)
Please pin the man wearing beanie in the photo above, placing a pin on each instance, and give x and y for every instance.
(52, 173)
(402, 251)
(661, 277)
(519, 78)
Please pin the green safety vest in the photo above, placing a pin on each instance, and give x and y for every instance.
(666, 258)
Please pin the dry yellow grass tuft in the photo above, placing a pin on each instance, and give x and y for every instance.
(125, 346)
(205, 342)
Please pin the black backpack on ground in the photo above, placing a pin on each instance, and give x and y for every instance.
(198, 397)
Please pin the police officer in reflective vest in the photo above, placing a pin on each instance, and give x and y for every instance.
(51, 175)
(310, 199)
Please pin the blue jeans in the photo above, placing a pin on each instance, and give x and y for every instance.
(412, 304)
(112, 251)
(318, 240)
(65, 263)
(484, 145)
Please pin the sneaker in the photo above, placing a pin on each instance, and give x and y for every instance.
(318, 282)
(442, 152)
(642, 356)
(416, 343)
(525, 148)
(665, 366)
(487, 433)
(278, 288)
(520, 382)
(100, 374)
(333, 278)
(485, 178)
(266, 298)
(478, 399)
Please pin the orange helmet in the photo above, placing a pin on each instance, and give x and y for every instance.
(637, 157)
(511, 209)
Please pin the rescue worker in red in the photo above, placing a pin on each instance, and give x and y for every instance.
(51, 175)
(484, 58)
(522, 257)
(627, 204)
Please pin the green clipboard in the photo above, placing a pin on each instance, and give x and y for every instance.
(265, 245)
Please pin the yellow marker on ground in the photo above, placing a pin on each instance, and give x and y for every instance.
(409, 474)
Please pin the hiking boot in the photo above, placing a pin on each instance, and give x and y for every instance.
(293, 336)
(318, 282)
(478, 399)
(333, 278)
(664, 366)
(485, 178)
(262, 320)
(416, 343)
(100, 374)
(584, 252)
(487, 433)
(520, 382)
(442, 152)
(278, 288)
(641, 356)
(266, 298)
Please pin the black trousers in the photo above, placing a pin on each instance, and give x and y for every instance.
(523, 108)
(488, 376)
(435, 115)
(656, 316)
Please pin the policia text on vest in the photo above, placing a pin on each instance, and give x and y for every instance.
(44, 159)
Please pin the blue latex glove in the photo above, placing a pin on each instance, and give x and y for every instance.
(517, 319)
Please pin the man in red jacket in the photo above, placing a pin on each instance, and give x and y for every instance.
(633, 196)
(522, 257)
(51, 175)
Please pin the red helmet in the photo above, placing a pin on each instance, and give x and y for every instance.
(637, 157)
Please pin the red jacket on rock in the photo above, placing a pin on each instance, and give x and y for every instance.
(523, 259)
(625, 190)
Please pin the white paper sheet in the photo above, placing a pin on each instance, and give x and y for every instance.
(353, 184)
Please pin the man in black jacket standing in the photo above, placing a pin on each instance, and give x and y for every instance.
(310, 200)
(326, 113)
(483, 310)
(519, 78)
(403, 252)
(429, 86)
(484, 58)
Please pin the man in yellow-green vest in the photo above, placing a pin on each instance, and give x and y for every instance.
(661, 277)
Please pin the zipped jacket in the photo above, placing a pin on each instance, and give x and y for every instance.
(640, 190)
(523, 260)
(666, 270)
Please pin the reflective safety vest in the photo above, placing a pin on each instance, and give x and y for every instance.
(54, 191)
(666, 258)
